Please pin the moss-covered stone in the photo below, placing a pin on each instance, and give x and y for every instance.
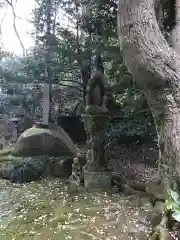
(5, 152)
(38, 141)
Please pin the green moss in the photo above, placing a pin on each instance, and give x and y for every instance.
(5, 159)
(5, 152)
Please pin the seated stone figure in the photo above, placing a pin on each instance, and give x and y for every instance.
(76, 176)
(96, 95)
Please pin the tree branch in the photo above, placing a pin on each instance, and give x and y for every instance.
(14, 26)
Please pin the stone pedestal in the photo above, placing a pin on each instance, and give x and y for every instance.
(95, 126)
(97, 181)
(95, 171)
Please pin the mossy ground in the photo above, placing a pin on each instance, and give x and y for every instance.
(5, 152)
(45, 210)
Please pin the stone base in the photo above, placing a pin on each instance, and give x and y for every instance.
(97, 181)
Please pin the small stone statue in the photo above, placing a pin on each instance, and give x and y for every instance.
(76, 176)
(96, 95)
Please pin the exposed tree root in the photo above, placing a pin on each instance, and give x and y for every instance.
(125, 188)
(155, 216)
(152, 190)
(160, 219)
(160, 232)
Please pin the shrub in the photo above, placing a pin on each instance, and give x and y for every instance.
(173, 204)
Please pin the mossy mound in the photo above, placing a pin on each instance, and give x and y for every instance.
(39, 141)
(4, 153)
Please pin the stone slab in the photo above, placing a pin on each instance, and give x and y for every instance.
(94, 181)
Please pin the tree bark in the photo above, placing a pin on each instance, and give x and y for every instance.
(156, 69)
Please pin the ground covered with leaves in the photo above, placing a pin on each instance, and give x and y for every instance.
(46, 210)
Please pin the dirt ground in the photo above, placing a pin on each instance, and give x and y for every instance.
(135, 162)
(138, 163)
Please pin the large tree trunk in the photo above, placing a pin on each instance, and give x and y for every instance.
(156, 69)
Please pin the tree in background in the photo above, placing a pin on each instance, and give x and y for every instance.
(90, 35)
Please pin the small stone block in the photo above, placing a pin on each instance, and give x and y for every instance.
(94, 181)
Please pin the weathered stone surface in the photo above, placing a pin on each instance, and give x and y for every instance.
(27, 169)
(94, 172)
(97, 90)
(38, 141)
(61, 168)
(7, 163)
(95, 126)
(94, 181)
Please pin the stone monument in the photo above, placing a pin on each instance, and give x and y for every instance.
(46, 103)
(95, 173)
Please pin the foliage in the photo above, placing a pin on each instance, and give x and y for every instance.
(73, 48)
(173, 204)
(133, 121)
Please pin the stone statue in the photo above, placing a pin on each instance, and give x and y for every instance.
(96, 96)
(76, 176)
(95, 120)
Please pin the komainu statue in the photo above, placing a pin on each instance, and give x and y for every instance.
(76, 176)
(97, 94)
